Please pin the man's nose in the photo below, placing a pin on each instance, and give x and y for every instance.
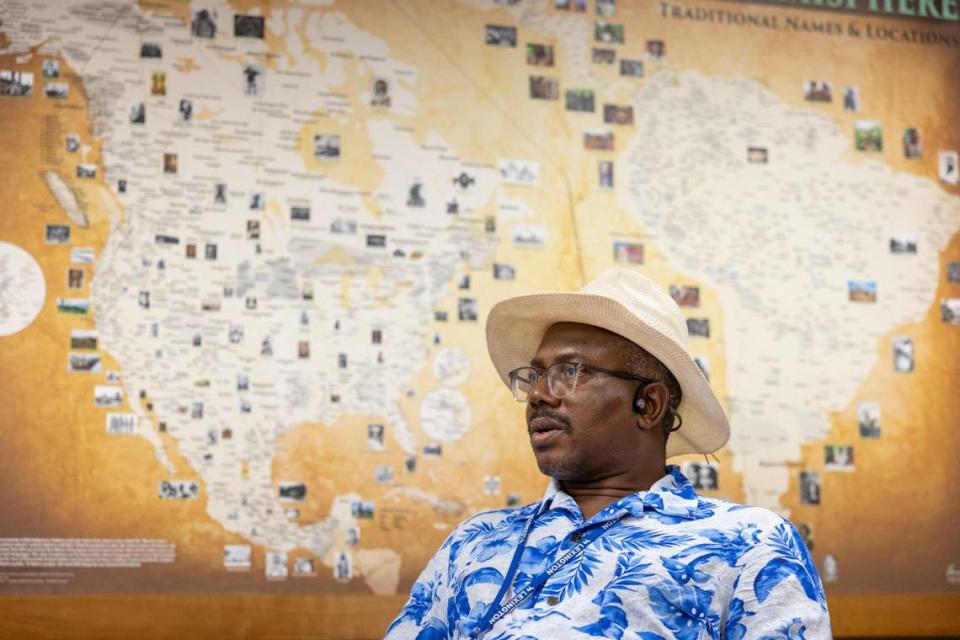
(540, 392)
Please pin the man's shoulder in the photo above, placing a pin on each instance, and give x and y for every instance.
(763, 519)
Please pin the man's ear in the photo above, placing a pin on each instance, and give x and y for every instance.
(651, 405)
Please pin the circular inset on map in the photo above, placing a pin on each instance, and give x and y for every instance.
(451, 367)
(445, 415)
(22, 289)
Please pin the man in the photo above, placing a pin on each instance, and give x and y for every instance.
(620, 546)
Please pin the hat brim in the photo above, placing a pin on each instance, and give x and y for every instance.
(516, 326)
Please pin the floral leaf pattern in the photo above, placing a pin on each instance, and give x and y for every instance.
(674, 566)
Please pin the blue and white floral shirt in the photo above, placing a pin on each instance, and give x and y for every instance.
(675, 565)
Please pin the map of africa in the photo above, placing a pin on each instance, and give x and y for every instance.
(248, 249)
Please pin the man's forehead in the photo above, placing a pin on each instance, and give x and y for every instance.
(576, 341)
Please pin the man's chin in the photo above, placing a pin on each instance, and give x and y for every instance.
(557, 468)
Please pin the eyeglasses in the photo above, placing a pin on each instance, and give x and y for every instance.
(561, 377)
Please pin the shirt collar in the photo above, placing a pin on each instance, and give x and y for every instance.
(672, 495)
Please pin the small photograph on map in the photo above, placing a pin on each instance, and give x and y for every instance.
(953, 272)
(343, 226)
(170, 163)
(950, 310)
(631, 68)
(503, 271)
(655, 49)
(757, 155)
(51, 68)
(253, 79)
(178, 489)
(698, 327)
(300, 212)
(237, 557)
(16, 83)
(862, 290)
(56, 90)
(570, 5)
(544, 88)
(948, 170)
(151, 50)
(817, 91)
(868, 136)
(685, 296)
(74, 278)
(608, 32)
(467, 309)
(375, 433)
(190, 250)
(243, 382)
(83, 339)
(138, 113)
(433, 450)
(540, 55)
(627, 252)
(275, 567)
(204, 24)
(383, 474)
(501, 36)
(524, 173)
(701, 475)
(248, 26)
(490, 222)
(196, 408)
(605, 174)
(185, 110)
(303, 349)
(603, 56)
(121, 423)
(342, 567)
(381, 93)
(617, 114)
(579, 100)
(258, 201)
(492, 485)
(88, 171)
(903, 354)
(72, 143)
(292, 491)
(210, 251)
(362, 509)
(75, 306)
(415, 195)
(703, 363)
(911, 143)
(377, 241)
(606, 8)
(158, 83)
(220, 193)
(57, 234)
(903, 244)
(463, 281)
(352, 536)
(326, 146)
(121, 186)
(529, 235)
(304, 567)
(868, 419)
(440, 316)
(838, 457)
(809, 487)
(851, 98)
(597, 140)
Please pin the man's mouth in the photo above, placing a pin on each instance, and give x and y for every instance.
(543, 430)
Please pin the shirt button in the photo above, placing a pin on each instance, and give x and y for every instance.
(577, 536)
(553, 600)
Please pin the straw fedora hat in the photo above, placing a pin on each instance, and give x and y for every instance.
(633, 306)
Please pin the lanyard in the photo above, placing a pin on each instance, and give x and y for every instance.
(493, 616)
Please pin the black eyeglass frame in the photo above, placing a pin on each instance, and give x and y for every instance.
(541, 372)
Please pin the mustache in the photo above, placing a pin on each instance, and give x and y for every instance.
(559, 418)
